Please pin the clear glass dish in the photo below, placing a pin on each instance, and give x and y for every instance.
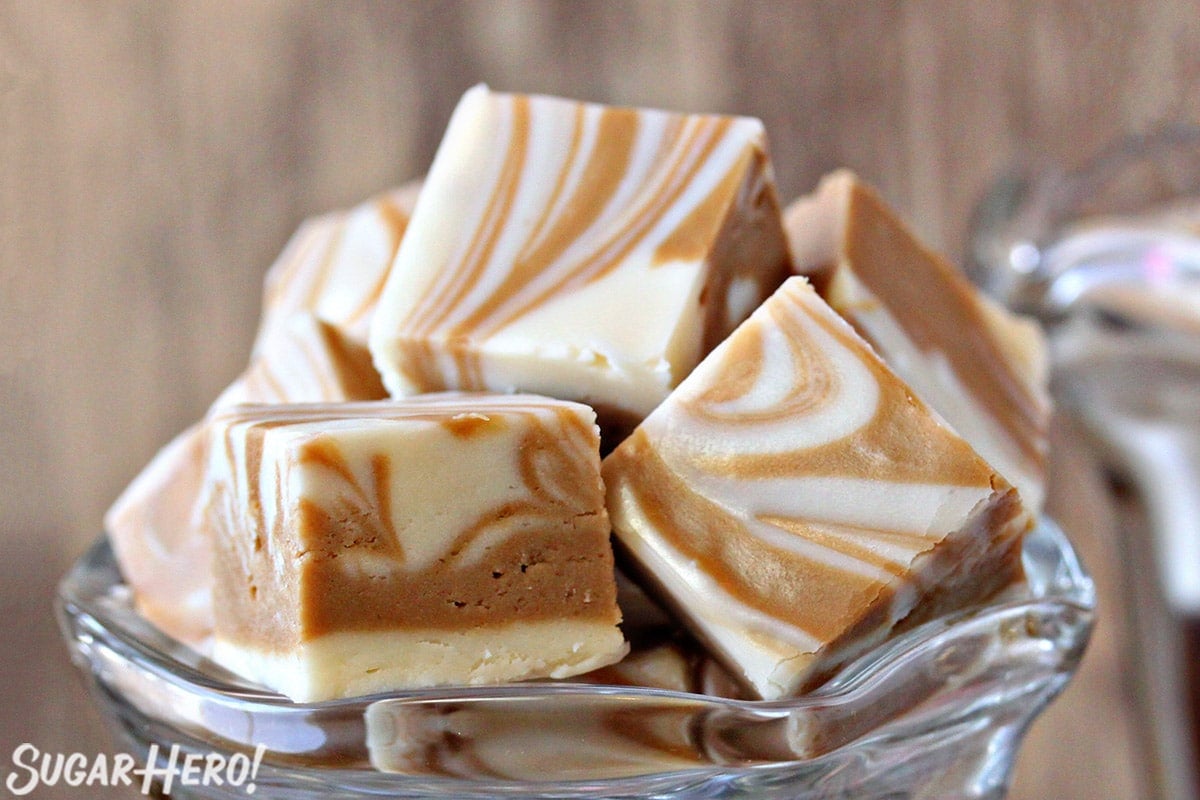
(1106, 254)
(937, 712)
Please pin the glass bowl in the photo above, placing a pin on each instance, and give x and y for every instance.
(936, 712)
(1052, 241)
(1106, 254)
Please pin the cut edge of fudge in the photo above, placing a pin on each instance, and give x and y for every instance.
(981, 367)
(861, 552)
(306, 360)
(367, 550)
(353, 664)
(155, 523)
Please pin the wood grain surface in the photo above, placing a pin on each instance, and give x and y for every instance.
(154, 157)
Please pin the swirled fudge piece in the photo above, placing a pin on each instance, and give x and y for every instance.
(579, 251)
(154, 526)
(364, 547)
(980, 367)
(793, 501)
(661, 656)
(335, 265)
(307, 360)
(154, 530)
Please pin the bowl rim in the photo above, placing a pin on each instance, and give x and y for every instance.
(93, 608)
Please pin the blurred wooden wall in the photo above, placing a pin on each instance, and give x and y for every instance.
(155, 156)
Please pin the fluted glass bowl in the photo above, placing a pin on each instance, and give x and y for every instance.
(937, 712)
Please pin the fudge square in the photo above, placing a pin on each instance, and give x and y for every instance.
(793, 501)
(983, 369)
(579, 251)
(155, 525)
(445, 539)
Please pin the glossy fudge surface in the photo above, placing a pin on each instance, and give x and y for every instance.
(793, 501)
(980, 367)
(580, 251)
(444, 539)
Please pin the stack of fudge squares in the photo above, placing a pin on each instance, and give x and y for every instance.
(593, 330)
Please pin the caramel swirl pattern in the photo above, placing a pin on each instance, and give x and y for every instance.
(627, 183)
(318, 516)
(518, 740)
(335, 266)
(786, 494)
(309, 360)
(981, 367)
(155, 525)
(542, 214)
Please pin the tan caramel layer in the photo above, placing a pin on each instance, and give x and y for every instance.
(808, 594)
(546, 575)
(355, 370)
(933, 301)
(553, 560)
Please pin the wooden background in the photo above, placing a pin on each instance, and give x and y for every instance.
(155, 156)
